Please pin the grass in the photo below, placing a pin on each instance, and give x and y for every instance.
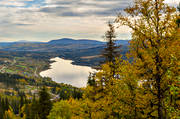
(9, 71)
(21, 66)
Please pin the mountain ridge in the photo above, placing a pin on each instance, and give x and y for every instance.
(57, 45)
(64, 40)
(69, 40)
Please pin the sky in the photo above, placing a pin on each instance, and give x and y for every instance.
(44, 20)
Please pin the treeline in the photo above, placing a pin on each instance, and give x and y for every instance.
(21, 107)
(37, 107)
(17, 107)
(14, 103)
(35, 55)
(15, 79)
(17, 104)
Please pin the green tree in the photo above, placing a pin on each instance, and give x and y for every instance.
(30, 111)
(61, 110)
(111, 51)
(178, 20)
(44, 103)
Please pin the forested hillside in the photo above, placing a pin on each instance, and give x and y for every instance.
(17, 91)
(30, 58)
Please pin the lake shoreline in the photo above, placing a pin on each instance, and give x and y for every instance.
(63, 71)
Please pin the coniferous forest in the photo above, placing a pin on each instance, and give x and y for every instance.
(144, 85)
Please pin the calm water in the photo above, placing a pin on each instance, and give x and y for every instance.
(62, 71)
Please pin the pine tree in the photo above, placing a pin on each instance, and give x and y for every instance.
(178, 20)
(44, 103)
(111, 51)
(34, 108)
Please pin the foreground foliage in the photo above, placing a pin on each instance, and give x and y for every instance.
(149, 86)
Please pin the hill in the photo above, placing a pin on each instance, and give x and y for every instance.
(55, 45)
(22, 57)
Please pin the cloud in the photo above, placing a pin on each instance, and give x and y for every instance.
(12, 3)
(44, 20)
(83, 8)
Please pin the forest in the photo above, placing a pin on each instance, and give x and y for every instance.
(145, 85)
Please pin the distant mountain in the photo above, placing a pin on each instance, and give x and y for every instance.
(82, 52)
(64, 41)
(63, 44)
(85, 41)
(5, 44)
(72, 41)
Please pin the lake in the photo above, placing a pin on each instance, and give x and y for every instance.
(63, 71)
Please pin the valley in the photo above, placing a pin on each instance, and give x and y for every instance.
(30, 58)
(22, 62)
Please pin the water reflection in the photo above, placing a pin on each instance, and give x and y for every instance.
(62, 71)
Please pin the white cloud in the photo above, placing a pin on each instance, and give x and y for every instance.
(51, 19)
(12, 3)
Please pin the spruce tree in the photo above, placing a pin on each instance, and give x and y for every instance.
(45, 103)
(178, 20)
(111, 50)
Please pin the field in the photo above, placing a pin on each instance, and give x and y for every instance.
(25, 66)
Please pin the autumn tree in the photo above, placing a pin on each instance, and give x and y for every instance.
(147, 87)
(9, 114)
(155, 56)
(60, 110)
